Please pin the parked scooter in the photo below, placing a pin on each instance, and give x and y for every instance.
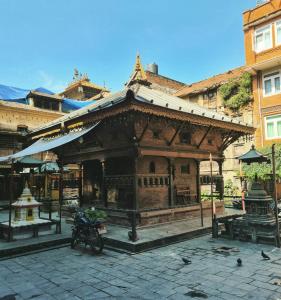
(87, 232)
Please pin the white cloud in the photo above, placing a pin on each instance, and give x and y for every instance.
(50, 83)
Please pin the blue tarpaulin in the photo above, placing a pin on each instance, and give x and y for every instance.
(43, 90)
(9, 93)
(18, 95)
(45, 144)
(71, 104)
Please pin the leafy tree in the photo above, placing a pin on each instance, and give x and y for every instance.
(263, 170)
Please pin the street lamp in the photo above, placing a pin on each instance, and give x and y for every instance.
(253, 156)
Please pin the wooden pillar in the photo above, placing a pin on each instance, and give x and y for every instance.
(60, 193)
(11, 199)
(275, 197)
(221, 191)
(103, 187)
(198, 190)
(135, 201)
(171, 181)
(80, 185)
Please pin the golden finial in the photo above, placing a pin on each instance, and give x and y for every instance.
(138, 74)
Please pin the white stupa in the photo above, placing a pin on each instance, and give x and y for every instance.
(26, 210)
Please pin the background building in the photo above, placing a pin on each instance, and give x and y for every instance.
(262, 28)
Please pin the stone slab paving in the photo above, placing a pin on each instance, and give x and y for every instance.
(157, 274)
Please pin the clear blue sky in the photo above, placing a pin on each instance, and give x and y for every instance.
(42, 41)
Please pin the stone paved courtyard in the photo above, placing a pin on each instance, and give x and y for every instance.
(157, 274)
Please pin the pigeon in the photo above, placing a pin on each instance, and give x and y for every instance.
(186, 261)
(266, 257)
(239, 262)
(9, 297)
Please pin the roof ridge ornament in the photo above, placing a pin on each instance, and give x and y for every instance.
(138, 74)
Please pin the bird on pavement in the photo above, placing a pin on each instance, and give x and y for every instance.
(265, 256)
(9, 297)
(186, 261)
(239, 262)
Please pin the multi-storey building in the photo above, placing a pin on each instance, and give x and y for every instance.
(206, 93)
(262, 29)
(23, 110)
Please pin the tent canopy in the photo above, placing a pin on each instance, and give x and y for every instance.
(45, 144)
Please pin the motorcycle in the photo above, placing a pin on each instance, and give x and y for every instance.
(87, 232)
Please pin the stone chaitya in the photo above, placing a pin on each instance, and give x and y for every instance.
(258, 223)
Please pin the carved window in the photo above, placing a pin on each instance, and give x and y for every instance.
(156, 134)
(152, 167)
(185, 169)
(185, 137)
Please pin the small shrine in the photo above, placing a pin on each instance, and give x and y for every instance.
(258, 224)
(26, 208)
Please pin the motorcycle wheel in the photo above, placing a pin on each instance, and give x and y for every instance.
(97, 244)
(74, 239)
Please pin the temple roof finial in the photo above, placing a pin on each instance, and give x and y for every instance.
(138, 74)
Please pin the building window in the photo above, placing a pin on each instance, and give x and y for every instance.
(271, 83)
(185, 169)
(156, 134)
(273, 127)
(263, 38)
(185, 137)
(22, 128)
(278, 32)
(152, 167)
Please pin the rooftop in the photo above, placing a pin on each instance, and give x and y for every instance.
(153, 100)
(164, 81)
(209, 83)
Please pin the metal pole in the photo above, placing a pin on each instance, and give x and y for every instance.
(275, 197)
(198, 184)
(80, 185)
(11, 199)
(212, 198)
(103, 187)
(60, 193)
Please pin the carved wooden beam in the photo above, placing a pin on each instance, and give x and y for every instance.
(169, 143)
(230, 140)
(143, 132)
(204, 136)
(99, 141)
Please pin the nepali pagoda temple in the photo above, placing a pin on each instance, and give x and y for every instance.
(140, 149)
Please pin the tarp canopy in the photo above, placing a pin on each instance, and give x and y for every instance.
(50, 167)
(28, 161)
(14, 94)
(72, 104)
(45, 144)
(18, 95)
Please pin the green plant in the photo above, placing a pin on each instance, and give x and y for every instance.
(95, 214)
(263, 171)
(206, 196)
(236, 93)
(230, 189)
